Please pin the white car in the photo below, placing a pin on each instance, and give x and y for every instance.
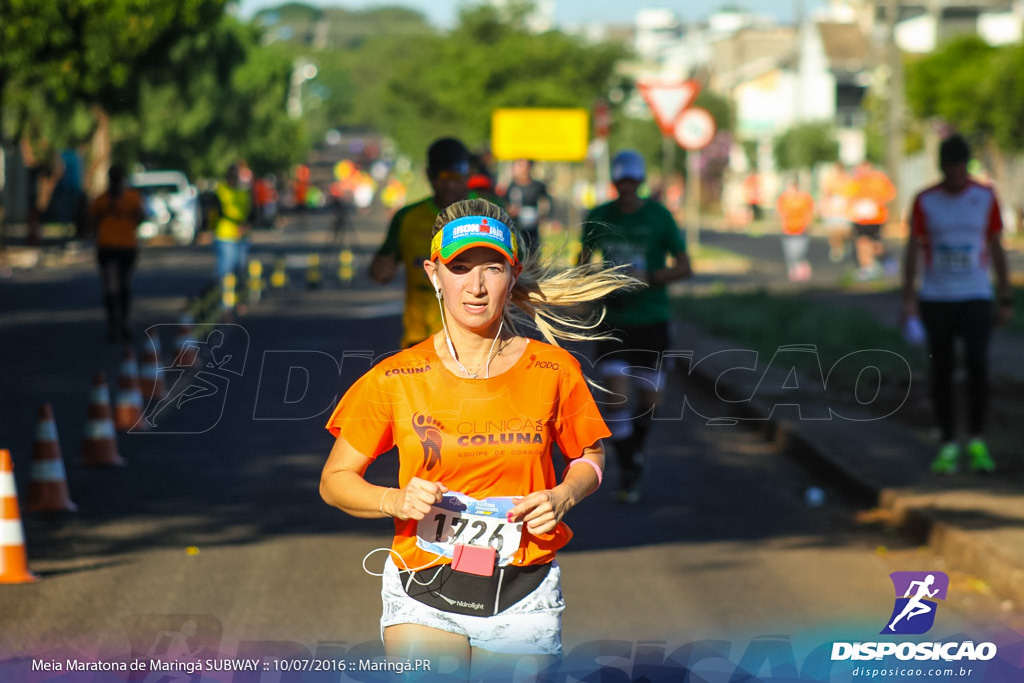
(172, 205)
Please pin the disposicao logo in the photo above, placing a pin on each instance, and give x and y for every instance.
(914, 612)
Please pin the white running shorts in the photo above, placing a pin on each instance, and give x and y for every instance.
(531, 626)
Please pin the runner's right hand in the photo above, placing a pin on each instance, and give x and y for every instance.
(413, 501)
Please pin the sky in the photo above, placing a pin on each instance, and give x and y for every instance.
(570, 12)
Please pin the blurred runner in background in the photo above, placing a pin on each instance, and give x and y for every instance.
(408, 240)
(869, 194)
(796, 211)
(527, 201)
(116, 215)
(640, 234)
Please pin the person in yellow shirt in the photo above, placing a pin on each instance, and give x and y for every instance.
(409, 236)
(115, 216)
(231, 235)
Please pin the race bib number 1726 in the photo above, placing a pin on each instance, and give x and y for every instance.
(462, 520)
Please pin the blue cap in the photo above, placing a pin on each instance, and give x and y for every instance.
(628, 164)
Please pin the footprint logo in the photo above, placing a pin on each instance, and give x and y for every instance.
(429, 432)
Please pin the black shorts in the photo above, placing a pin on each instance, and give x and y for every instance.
(872, 230)
(637, 345)
(123, 258)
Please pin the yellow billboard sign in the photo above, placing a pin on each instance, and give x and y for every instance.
(540, 134)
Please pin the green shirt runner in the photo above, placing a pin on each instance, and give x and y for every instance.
(643, 239)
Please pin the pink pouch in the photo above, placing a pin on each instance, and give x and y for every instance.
(474, 559)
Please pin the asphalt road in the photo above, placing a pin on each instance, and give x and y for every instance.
(216, 519)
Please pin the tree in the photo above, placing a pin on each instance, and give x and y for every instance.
(94, 54)
(417, 88)
(955, 84)
(976, 89)
(805, 145)
(229, 105)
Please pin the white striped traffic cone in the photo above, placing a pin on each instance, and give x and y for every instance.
(99, 445)
(128, 407)
(13, 558)
(48, 484)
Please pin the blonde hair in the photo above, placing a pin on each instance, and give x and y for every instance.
(543, 294)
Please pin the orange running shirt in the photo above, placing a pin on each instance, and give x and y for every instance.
(481, 437)
(118, 219)
(796, 210)
(869, 191)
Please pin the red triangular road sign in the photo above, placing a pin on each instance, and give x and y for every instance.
(668, 99)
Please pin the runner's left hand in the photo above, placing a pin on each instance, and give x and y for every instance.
(541, 510)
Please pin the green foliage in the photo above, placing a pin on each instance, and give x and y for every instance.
(933, 83)
(765, 322)
(416, 88)
(340, 28)
(1004, 91)
(805, 145)
(974, 87)
(94, 51)
(231, 107)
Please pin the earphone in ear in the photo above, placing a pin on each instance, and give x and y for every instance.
(437, 287)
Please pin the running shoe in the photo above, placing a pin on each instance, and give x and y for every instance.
(978, 457)
(946, 462)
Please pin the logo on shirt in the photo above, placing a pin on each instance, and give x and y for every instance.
(502, 432)
(416, 367)
(545, 364)
(429, 432)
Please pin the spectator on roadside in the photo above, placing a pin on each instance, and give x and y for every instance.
(796, 211)
(869, 194)
(408, 238)
(641, 235)
(231, 237)
(956, 230)
(527, 201)
(115, 216)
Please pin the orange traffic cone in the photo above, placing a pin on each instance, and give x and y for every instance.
(99, 445)
(48, 485)
(151, 382)
(13, 560)
(128, 407)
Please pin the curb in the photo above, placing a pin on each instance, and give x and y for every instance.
(825, 447)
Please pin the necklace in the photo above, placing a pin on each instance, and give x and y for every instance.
(487, 366)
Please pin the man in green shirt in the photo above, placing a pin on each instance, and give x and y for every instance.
(641, 234)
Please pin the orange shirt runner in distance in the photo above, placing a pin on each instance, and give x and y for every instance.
(796, 211)
(118, 219)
